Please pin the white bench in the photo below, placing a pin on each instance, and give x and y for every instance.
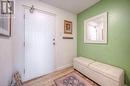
(103, 74)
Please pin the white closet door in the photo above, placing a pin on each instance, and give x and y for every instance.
(39, 48)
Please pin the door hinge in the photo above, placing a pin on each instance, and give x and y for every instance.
(24, 16)
(24, 44)
(24, 71)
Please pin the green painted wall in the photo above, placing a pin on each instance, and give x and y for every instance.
(129, 41)
(117, 51)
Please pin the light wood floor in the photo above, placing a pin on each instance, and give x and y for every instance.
(48, 80)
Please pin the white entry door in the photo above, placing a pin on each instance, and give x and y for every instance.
(39, 43)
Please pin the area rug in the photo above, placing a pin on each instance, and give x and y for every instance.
(74, 79)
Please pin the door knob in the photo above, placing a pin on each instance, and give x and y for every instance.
(54, 39)
(54, 43)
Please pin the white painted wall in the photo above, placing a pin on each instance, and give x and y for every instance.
(5, 60)
(66, 49)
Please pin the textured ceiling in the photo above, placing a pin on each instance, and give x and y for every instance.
(74, 6)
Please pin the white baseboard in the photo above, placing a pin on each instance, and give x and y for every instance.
(63, 67)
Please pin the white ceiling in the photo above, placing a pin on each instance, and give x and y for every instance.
(74, 6)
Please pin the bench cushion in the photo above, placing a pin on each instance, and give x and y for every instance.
(83, 61)
(109, 71)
